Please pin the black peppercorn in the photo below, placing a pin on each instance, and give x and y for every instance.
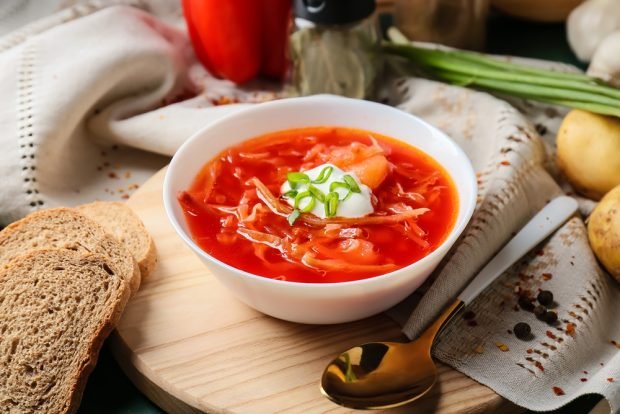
(551, 317)
(469, 315)
(522, 330)
(526, 303)
(540, 312)
(545, 297)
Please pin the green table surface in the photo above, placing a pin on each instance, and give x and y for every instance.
(110, 391)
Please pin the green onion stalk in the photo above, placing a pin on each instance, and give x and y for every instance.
(458, 67)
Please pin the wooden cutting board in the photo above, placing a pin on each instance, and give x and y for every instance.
(190, 346)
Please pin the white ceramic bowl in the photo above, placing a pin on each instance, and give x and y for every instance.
(310, 302)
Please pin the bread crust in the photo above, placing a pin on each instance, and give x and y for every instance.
(48, 229)
(121, 221)
(23, 267)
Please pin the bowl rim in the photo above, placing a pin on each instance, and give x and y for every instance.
(450, 239)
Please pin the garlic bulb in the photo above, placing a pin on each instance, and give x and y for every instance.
(605, 63)
(590, 23)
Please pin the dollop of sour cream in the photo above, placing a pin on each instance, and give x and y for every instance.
(355, 205)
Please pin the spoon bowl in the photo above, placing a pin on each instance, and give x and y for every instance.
(354, 375)
(380, 375)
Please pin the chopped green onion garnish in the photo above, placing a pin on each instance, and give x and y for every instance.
(351, 183)
(295, 178)
(290, 194)
(331, 204)
(337, 184)
(318, 194)
(308, 208)
(324, 175)
(301, 196)
(293, 216)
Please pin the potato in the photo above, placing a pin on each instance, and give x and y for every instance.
(589, 152)
(604, 232)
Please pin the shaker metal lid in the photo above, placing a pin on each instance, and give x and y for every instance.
(333, 11)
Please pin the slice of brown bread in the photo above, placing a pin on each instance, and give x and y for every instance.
(121, 222)
(64, 228)
(56, 309)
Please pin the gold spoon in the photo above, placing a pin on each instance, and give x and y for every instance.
(389, 374)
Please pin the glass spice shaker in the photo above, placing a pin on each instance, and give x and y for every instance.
(335, 47)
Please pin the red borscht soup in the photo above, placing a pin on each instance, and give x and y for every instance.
(238, 212)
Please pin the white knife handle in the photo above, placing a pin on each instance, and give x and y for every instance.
(545, 222)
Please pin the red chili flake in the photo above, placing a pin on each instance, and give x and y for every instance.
(539, 366)
(472, 323)
(558, 391)
(570, 328)
(583, 379)
(469, 315)
(547, 276)
(112, 175)
(610, 379)
(224, 100)
(125, 196)
(585, 372)
(505, 162)
(550, 335)
(540, 253)
(529, 351)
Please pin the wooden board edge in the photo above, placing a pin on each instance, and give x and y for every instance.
(163, 399)
(159, 395)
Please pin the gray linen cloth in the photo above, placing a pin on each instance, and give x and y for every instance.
(576, 356)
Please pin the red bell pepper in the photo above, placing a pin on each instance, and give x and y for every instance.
(275, 22)
(237, 39)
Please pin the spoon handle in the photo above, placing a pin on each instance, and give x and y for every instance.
(545, 222)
